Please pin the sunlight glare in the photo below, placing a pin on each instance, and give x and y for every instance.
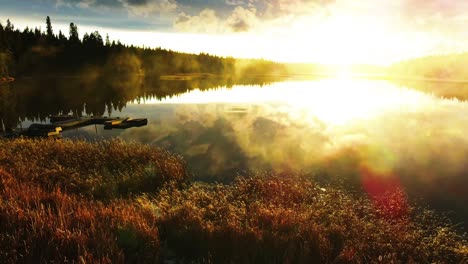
(333, 101)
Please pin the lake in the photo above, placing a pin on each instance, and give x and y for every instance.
(372, 135)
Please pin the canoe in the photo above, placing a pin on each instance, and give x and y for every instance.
(43, 130)
(125, 123)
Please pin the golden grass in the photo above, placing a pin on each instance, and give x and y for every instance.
(101, 170)
(289, 219)
(116, 202)
(73, 201)
(43, 226)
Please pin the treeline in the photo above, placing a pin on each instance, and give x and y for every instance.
(445, 76)
(32, 52)
(452, 66)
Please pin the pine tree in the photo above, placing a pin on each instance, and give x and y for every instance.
(108, 43)
(73, 33)
(50, 32)
(9, 26)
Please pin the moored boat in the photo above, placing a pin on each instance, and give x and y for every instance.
(42, 130)
(125, 123)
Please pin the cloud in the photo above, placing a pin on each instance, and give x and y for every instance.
(208, 21)
(134, 7)
(242, 19)
(426, 15)
(442, 17)
(235, 2)
(274, 8)
(429, 8)
(148, 7)
(205, 22)
(88, 3)
(208, 16)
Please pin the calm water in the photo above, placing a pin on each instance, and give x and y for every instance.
(356, 131)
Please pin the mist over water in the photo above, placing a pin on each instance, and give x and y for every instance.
(370, 135)
(366, 134)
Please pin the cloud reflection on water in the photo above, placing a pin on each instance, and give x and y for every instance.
(353, 133)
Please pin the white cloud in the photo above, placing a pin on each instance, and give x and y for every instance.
(240, 20)
(149, 7)
(235, 2)
(205, 22)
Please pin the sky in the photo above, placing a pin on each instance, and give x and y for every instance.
(317, 31)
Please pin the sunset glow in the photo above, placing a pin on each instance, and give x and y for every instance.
(340, 32)
(352, 99)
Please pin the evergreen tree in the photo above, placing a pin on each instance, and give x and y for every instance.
(74, 33)
(62, 37)
(98, 39)
(9, 26)
(50, 32)
(108, 43)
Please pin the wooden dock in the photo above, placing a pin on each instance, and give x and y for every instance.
(125, 123)
(58, 124)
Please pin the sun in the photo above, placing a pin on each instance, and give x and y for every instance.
(342, 39)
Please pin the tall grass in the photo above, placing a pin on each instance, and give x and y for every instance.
(116, 202)
(290, 219)
(40, 226)
(73, 201)
(104, 170)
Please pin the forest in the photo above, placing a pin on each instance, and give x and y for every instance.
(32, 52)
(443, 66)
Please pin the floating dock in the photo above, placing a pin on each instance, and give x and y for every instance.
(58, 124)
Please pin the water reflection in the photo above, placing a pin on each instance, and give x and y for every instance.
(331, 101)
(372, 135)
(35, 99)
(369, 134)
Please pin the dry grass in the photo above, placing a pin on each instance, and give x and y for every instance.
(73, 201)
(116, 202)
(289, 219)
(44, 226)
(103, 170)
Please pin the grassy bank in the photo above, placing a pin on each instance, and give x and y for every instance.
(120, 202)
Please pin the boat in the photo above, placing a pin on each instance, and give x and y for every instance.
(125, 123)
(42, 130)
